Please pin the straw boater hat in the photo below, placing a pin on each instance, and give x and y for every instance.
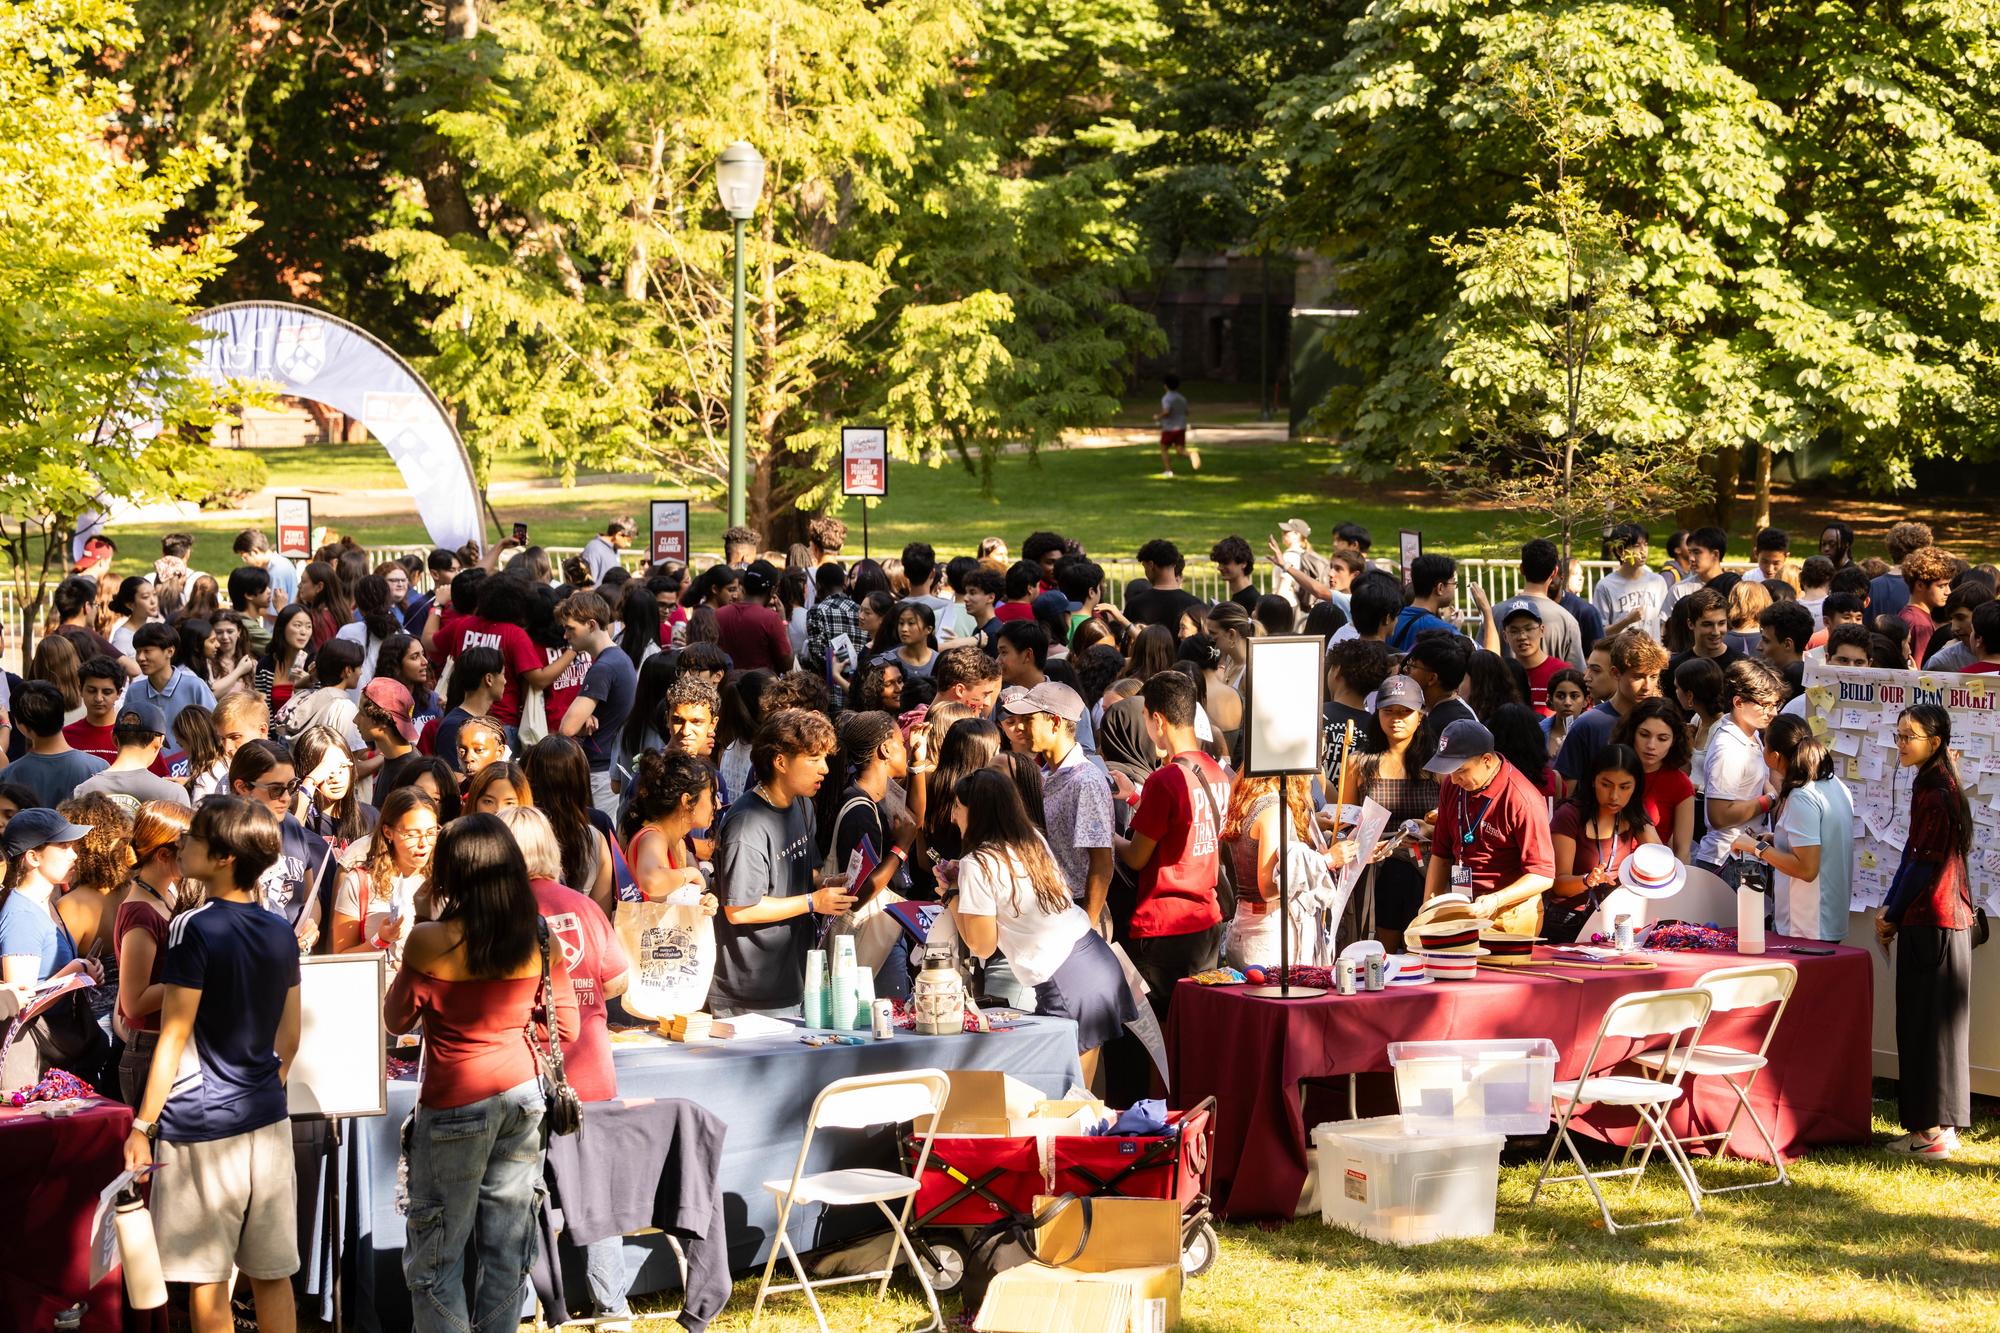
(1504, 944)
(1452, 966)
(1436, 938)
(1652, 871)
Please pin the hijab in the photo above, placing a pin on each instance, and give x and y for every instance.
(1123, 742)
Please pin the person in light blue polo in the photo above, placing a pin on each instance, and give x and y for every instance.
(167, 687)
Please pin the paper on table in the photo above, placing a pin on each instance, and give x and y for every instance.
(1367, 832)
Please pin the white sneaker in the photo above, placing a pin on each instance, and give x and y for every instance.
(1938, 1146)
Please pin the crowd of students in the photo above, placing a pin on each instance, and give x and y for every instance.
(429, 757)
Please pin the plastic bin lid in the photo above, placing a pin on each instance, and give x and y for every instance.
(1526, 1048)
(1389, 1131)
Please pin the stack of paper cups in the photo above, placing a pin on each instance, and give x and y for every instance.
(815, 994)
(840, 985)
(864, 998)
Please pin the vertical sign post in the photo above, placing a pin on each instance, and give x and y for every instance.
(295, 520)
(669, 529)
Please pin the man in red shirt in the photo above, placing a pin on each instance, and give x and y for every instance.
(1523, 633)
(1928, 571)
(103, 683)
(752, 633)
(1176, 927)
(501, 625)
(1492, 841)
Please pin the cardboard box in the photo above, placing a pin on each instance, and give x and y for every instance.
(985, 1102)
(1126, 1279)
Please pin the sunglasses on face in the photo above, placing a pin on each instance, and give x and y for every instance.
(276, 788)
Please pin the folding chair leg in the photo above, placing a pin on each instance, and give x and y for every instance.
(1555, 1144)
(902, 1238)
(1576, 1155)
(1670, 1147)
(805, 1283)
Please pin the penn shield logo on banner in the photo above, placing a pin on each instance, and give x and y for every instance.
(299, 352)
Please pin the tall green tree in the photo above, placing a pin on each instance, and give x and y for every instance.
(96, 349)
(914, 258)
(1812, 195)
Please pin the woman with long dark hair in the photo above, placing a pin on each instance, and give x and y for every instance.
(323, 597)
(643, 723)
(1011, 896)
(287, 663)
(1152, 652)
(139, 603)
(1517, 738)
(876, 616)
(1813, 834)
(402, 659)
(329, 799)
(1592, 834)
(438, 780)
(742, 709)
(639, 619)
(1386, 767)
(560, 775)
(473, 979)
(500, 785)
(1929, 917)
(1658, 731)
(230, 665)
(1490, 686)
(915, 650)
(192, 650)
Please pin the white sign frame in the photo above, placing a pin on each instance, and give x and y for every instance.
(666, 519)
(860, 448)
(1284, 705)
(295, 512)
(341, 1068)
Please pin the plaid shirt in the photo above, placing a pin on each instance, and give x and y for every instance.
(830, 618)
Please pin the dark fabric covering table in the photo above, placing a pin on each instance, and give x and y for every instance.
(51, 1171)
(762, 1090)
(1251, 1055)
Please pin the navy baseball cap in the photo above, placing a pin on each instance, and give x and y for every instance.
(38, 827)
(1462, 740)
(137, 714)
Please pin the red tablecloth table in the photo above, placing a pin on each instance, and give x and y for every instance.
(1252, 1054)
(51, 1171)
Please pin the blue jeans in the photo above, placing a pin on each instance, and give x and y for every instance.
(475, 1177)
(604, 1267)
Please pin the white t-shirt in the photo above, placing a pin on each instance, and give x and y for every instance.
(356, 633)
(1736, 772)
(1617, 596)
(1037, 943)
(402, 901)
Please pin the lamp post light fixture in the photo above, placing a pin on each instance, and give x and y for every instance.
(739, 179)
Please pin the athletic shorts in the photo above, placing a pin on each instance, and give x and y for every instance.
(228, 1203)
(1173, 439)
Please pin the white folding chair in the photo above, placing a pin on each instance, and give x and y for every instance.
(859, 1103)
(1676, 1015)
(1760, 986)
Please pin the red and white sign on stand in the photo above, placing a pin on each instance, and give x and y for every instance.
(670, 531)
(295, 521)
(864, 460)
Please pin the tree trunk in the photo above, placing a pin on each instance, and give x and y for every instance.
(1763, 486)
(1722, 469)
(439, 172)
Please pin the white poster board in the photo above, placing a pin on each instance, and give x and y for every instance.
(864, 460)
(340, 1069)
(1284, 703)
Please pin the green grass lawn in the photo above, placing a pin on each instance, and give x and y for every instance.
(1108, 497)
(1860, 1241)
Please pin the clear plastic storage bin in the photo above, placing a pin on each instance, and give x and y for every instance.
(1379, 1179)
(1499, 1086)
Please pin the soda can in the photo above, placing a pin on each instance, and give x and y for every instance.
(1622, 934)
(884, 1025)
(1376, 964)
(1343, 976)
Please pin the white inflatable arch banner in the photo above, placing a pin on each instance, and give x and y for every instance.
(310, 354)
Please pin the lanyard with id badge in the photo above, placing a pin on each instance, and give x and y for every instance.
(1461, 873)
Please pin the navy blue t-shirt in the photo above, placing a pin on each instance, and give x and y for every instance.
(610, 684)
(1586, 736)
(244, 961)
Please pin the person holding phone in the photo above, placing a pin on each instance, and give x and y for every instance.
(766, 872)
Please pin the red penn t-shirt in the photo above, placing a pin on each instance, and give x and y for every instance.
(1177, 885)
(590, 948)
(518, 654)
